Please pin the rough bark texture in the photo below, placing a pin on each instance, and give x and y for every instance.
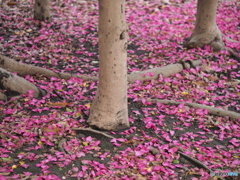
(206, 31)
(109, 108)
(41, 10)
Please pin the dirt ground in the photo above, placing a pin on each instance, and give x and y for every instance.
(37, 136)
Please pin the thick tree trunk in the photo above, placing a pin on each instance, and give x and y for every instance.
(206, 31)
(41, 10)
(109, 108)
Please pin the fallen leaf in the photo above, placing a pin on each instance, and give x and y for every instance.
(12, 3)
(53, 128)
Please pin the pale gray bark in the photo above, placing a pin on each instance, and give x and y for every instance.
(12, 82)
(109, 109)
(206, 31)
(41, 10)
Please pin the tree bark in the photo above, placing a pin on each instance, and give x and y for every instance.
(109, 108)
(14, 83)
(41, 10)
(211, 110)
(206, 31)
(165, 71)
(28, 69)
(21, 69)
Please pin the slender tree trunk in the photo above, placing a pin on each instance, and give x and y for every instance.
(206, 31)
(109, 108)
(41, 10)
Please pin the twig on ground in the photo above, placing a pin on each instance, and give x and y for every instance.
(181, 152)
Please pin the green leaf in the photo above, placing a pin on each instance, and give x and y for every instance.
(85, 143)
(69, 110)
(175, 161)
(6, 159)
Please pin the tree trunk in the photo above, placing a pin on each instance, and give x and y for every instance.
(41, 10)
(109, 108)
(206, 31)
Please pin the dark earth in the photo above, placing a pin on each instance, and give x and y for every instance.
(140, 134)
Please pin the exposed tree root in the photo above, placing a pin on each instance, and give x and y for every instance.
(20, 85)
(14, 83)
(232, 52)
(212, 38)
(199, 163)
(211, 110)
(216, 43)
(3, 96)
(12, 99)
(229, 39)
(165, 71)
(94, 131)
(152, 149)
(26, 69)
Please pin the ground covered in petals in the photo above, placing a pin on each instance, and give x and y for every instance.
(37, 136)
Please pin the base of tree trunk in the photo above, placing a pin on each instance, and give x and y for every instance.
(109, 109)
(212, 37)
(101, 119)
(42, 10)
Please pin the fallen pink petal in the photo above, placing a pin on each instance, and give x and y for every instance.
(181, 103)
